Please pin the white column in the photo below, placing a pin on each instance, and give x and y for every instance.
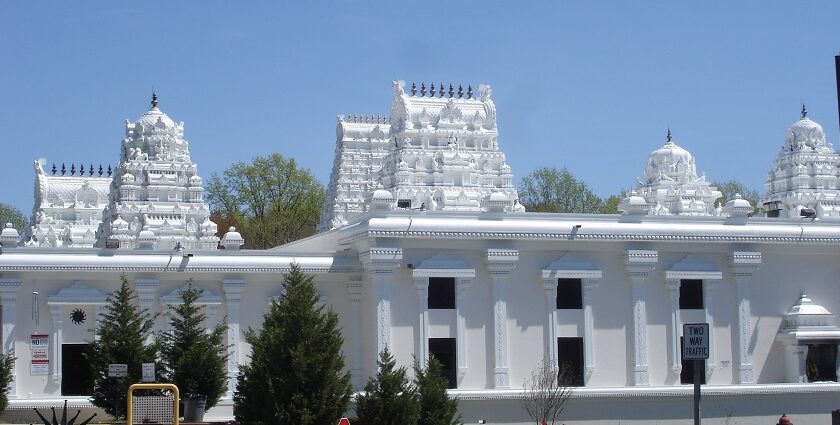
(9, 289)
(588, 340)
(709, 287)
(57, 340)
(462, 284)
(744, 264)
(354, 287)
(233, 289)
(673, 286)
(421, 349)
(380, 264)
(500, 264)
(639, 264)
(550, 287)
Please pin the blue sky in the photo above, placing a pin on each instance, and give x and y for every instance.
(588, 85)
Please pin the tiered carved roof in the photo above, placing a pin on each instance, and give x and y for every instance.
(670, 184)
(806, 174)
(68, 208)
(156, 198)
(361, 143)
(444, 152)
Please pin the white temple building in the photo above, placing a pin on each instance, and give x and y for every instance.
(425, 250)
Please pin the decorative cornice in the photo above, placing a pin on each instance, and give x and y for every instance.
(134, 269)
(403, 234)
(738, 258)
(640, 256)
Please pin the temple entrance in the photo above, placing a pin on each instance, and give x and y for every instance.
(75, 370)
(821, 362)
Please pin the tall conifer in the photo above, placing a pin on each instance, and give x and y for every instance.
(436, 407)
(122, 336)
(296, 372)
(194, 358)
(389, 398)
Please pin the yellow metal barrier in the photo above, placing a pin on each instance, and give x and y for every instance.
(170, 387)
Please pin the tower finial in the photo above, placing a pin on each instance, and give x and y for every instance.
(804, 111)
(154, 99)
(668, 137)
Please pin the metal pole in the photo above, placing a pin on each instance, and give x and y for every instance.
(837, 71)
(698, 364)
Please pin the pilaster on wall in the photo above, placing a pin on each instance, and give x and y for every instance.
(380, 264)
(639, 264)
(673, 286)
(147, 294)
(9, 289)
(354, 287)
(57, 340)
(743, 265)
(461, 286)
(233, 288)
(421, 349)
(500, 263)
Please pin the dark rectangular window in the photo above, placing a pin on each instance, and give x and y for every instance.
(404, 203)
(75, 370)
(687, 373)
(569, 294)
(820, 363)
(691, 294)
(443, 349)
(441, 292)
(570, 360)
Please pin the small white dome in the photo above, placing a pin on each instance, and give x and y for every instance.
(128, 178)
(382, 195)
(155, 117)
(146, 235)
(671, 161)
(195, 181)
(119, 224)
(805, 134)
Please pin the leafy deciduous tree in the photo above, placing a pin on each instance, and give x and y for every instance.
(295, 374)
(194, 358)
(730, 188)
(273, 200)
(389, 398)
(10, 214)
(548, 189)
(436, 407)
(121, 337)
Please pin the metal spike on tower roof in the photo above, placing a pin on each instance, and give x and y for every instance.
(441, 90)
(413, 89)
(451, 91)
(422, 89)
(469, 92)
(460, 91)
(154, 99)
(804, 112)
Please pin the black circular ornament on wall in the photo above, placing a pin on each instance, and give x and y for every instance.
(78, 316)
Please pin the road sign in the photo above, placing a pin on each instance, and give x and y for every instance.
(148, 372)
(117, 370)
(344, 421)
(695, 341)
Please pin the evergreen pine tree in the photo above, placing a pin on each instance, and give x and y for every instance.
(194, 358)
(295, 375)
(389, 397)
(436, 408)
(7, 363)
(122, 336)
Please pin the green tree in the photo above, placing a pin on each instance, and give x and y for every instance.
(123, 336)
(730, 188)
(10, 214)
(296, 370)
(610, 205)
(436, 407)
(7, 364)
(272, 200)
(389, 398)
(548, 189)
(194, 358)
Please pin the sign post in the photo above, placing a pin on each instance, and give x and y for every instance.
(696, 348)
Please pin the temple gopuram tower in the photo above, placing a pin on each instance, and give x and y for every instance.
(805, 174)
(670, 184)
(157, 197)
(445, 150)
